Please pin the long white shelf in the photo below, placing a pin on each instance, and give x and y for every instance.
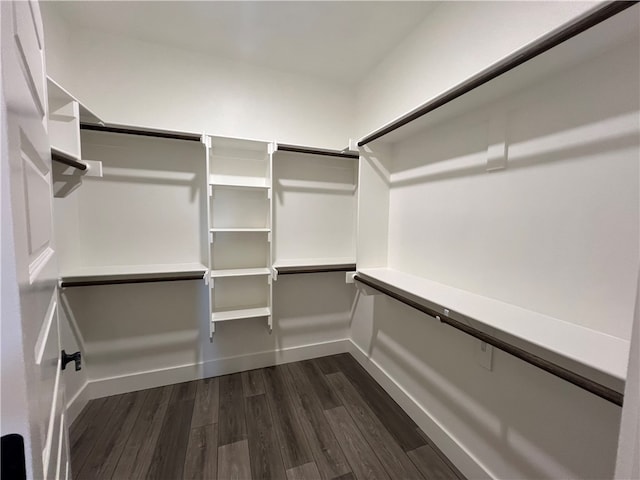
(596, 355)
(240, 272)
(232, 229)
(240, 314)
(111, 274)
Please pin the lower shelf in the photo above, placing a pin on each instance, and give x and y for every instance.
(227, 315)
(239, 314)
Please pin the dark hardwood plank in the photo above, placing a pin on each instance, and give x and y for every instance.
(328, 455)
(233, 461)
(231, 418)
(138, 451)
(201, 460)
(293, 443)
(318, 381)
(205, 408)
(83, 445)
(346, 476)
(308, 471)
(364, 463)
(430, 464)
(327, 364)
(113, 438)
(184, 391)
(395, 420)
(442, 456)
(169, 454)
(85, 418)
(389, 452)
(253, 382)
(266, 461)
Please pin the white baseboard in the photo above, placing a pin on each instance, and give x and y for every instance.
(460, 457)
(105, 387)
(76, 403)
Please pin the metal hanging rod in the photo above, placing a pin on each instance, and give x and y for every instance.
(142, 132)
(281, 147)
(569, 31)
(61, 157)
(596, 388)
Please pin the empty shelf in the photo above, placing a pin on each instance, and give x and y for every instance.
(315, 265)
(590, 353)
(115, 274)
(239, 184)
(239, 314)
(240, 272)
(233, 229)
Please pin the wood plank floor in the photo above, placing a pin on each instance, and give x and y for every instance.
(325, 419)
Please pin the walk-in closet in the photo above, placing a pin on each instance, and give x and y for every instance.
(320, 240)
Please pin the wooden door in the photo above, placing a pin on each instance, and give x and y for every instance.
(33, 403)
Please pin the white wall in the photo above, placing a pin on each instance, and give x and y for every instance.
(454, 42)
(124, 80)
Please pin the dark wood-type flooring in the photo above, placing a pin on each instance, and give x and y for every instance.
(318, 419)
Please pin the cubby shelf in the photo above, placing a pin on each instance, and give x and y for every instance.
(234, 229)
(240, 272)
(240, 314)
(239, 184)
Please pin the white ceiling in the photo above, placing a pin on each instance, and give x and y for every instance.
(341, 40)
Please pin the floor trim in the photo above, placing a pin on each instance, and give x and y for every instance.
(461, 457)
(184, 373)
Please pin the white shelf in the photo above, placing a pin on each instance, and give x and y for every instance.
(124, 273)
(230, 230)
(596, 354)
(240, 272)
(57, 92)
(313, 262)
(240, 314)
(240, 183)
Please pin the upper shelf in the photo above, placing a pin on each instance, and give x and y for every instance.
(282, 147)
(57, 92)
(590, 353)
(588, 35)
(116, 274)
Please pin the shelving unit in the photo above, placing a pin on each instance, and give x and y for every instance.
(65, 114)
(314, 209)
(239, 225)
(449, 224)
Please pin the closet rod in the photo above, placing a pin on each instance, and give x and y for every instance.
(317, 151)
(61, 157)
(512, 61)
(598, 389)
(343, 267)
(89, 283)
(141, 131)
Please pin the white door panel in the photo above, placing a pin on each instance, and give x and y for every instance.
(42, 406)
(28, 44)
